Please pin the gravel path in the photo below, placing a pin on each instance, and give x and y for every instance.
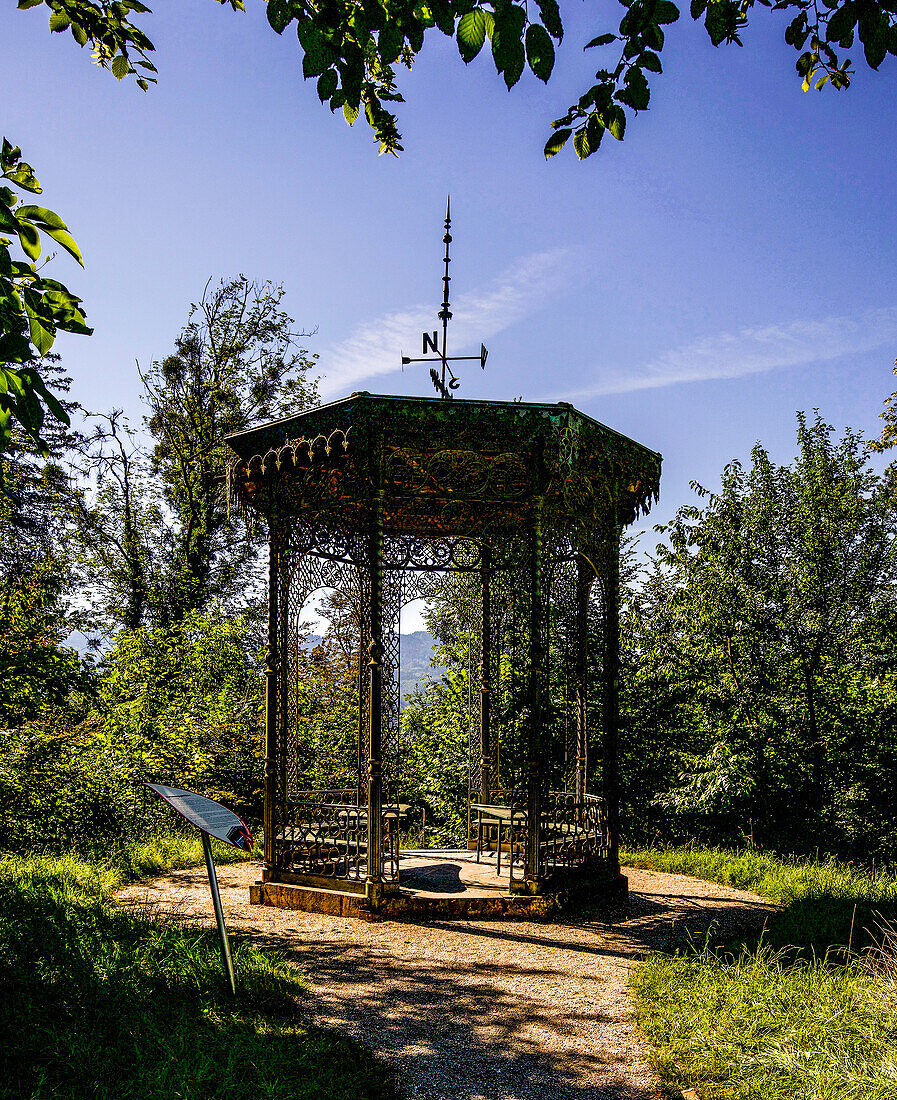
(478, 1010)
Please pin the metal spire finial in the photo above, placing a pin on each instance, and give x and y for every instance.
(430, 342)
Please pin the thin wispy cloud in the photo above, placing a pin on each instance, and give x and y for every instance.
(375, 347)
(751, 351)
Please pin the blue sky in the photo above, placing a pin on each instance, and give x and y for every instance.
(730, 262)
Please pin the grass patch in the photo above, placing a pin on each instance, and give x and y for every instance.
(170, 850)
(101, 1003)
(821, 899)
(760, 1026)
(794, 1016)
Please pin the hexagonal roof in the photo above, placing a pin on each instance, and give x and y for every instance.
(442, 467)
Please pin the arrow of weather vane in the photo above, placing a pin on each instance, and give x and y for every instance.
(431, 340)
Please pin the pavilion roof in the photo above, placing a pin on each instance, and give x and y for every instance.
(441, 465)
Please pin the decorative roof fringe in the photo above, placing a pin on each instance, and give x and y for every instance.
(306, 450)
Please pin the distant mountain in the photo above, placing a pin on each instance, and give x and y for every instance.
(416, 651)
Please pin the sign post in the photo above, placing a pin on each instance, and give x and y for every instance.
(213, 820)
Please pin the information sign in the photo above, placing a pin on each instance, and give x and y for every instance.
(213, 818)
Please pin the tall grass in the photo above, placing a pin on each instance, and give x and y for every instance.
(822, 900)
(763, 1026)
(104, 1003)
(169, 850)
(807, 1013)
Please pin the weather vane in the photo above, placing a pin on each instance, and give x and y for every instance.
(431, 340)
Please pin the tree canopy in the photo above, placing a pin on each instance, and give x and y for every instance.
(760, 670)
(157, 538)
(351, 48)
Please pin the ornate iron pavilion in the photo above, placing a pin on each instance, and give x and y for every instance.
(382, 497)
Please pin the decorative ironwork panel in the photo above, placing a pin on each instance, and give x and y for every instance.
(573, 833)
(327, 837)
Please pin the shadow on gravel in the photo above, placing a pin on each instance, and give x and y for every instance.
(460, 1032)
(484, 1029)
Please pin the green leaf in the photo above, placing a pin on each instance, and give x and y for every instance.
(327, 83)
(9, 155)
(280, 14)
(652, 37)
(12, 380)
(120, 67)
(444, 15)
(61, 236)
(556, 142)
(722, 21)
(22, 176)
(698, 8)
(581, 144)
(59, 21)
(594, 131)
(54, 406)
(551, 18)
(601, 40)
(314, 63)
(875, 47)
(43, 215)
(665, 11)
(539, 51)
(804, 64)
(650, 61)
(796, 32)
(507, 43)
(79, 34)
(41, 335)
(389, 43)
(514, 60)
(29, 238)
(316, 57)
(350, 112)
(471, 34)
(616, 122)
(635, 92)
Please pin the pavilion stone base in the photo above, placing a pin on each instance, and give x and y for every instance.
(607, 891)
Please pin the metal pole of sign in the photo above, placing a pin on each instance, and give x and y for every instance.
(219, 913)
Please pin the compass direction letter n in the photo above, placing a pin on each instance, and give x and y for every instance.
(430, 343)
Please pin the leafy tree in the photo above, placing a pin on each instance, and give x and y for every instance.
(32, 307)
(119, 527)
(765, 619)
(159, 540)
(888, 438)
(353, 52)
(237, 361)
(435, 740)
(35, 488)
(38, 671)
(184, 703)
(180, 705)
(326, 710)
(36, 499)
